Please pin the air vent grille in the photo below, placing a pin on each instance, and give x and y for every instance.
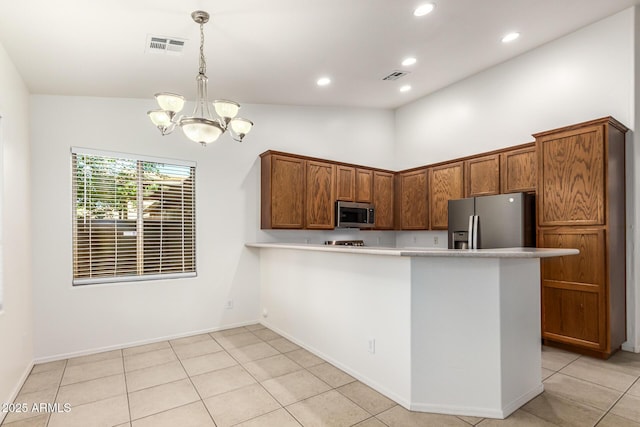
(167, 45)
(395, 75)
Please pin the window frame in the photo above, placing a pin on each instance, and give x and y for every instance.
(129, 277)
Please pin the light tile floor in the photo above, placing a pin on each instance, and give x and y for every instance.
(251, 376)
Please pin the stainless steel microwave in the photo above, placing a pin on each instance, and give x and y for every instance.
(354, 215)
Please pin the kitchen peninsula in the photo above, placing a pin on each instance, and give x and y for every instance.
(445, 331)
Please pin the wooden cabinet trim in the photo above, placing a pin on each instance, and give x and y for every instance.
(472, 156)
(318, 159)
(608, 120)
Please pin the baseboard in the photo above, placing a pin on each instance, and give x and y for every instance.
(479, 412)
(357, 375)
(627, 346)
(16, 389)
(86, 352)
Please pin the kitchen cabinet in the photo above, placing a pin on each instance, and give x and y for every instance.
(413, 200)
(282, 191)
(383, 199)
(354, 184)
(572, 165)
(573, 294)
(364, 183)
(482, 176)
(445, 183)
(518, 170)
(320, 195)
(345, 183)
(581, 204)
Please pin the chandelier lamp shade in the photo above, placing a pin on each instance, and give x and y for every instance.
(201, 126)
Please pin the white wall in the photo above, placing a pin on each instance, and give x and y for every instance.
(585, 75)
(16, 314)
(73, 320)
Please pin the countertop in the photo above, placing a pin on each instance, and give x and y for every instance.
(425, 252)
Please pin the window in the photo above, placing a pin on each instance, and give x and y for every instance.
(133, 217)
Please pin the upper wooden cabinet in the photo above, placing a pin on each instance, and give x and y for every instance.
(282, 192)
(354, 184)
(518, 170)
(383, 199)
(445, 183)
(571, 167)
(364, 184)
(482, 176)
(345, 183)
(320, 195)
(413, 197)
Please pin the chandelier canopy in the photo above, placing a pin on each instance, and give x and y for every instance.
(201, 126)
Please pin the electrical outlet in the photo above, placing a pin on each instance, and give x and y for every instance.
(435, 240)
(265, 313)
(229, 305)
(372, 346)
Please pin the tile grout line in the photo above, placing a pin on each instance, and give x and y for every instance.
(616, 402)
(191, 381)
(126, 388)
(259, 383)
(66, 361)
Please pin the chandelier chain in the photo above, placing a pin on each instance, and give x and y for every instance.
(201, 126)
(203, 62)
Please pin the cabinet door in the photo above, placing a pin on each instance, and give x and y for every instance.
(282, 192)
(383, 199)
(414, 213)
(482, 176)
(574, 307)
(320, 185)
(345, 183)
(571, 177)
(518, 170)
(364, 180)
(445, 183)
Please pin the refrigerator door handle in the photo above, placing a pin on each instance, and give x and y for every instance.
(475, 231)
(470, 233)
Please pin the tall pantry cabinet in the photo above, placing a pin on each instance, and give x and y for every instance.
(581, 204)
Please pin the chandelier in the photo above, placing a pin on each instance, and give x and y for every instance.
(201, 126)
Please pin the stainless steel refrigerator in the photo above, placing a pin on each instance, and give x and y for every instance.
(489, 222)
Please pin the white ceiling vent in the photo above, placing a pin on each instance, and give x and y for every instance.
(395, 75)
(167, 45)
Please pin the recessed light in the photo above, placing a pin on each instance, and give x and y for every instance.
(323, 81)
(424, 9)
(405, 88)
(510, 37)
(409, 61)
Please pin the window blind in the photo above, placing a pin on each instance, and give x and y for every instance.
(134, 219)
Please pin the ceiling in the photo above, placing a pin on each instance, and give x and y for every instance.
(272, 52)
